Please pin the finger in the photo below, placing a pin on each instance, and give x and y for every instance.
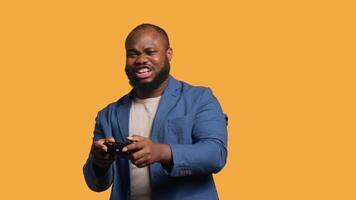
(142, 162)
(100, 141)
(99, 144)
(136, 138)
(139, 154)
(136, 146)
(98, 147)
(110, 139)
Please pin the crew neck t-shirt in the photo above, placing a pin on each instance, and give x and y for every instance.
(142, 114)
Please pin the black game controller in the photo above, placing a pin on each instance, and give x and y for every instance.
(115, 148)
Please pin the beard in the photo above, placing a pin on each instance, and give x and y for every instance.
(162, 75)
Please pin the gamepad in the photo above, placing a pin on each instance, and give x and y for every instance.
(115, 148)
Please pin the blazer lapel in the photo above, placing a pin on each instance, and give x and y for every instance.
(168, 100)
(123, 113)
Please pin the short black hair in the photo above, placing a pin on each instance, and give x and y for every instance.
(159, 30)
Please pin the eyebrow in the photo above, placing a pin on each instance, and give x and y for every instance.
(145, 49)
(131, 50)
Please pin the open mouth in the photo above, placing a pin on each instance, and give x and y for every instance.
(143, 72)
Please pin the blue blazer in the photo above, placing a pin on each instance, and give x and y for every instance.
(191, 121)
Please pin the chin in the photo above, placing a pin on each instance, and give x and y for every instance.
(146, 81)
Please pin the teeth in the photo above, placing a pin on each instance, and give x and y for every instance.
(143, 70)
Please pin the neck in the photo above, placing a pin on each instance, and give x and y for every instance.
(151, 94)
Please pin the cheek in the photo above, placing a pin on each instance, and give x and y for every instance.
(158, 61)
(129, 62)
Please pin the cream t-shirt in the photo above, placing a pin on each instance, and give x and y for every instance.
(142, 114)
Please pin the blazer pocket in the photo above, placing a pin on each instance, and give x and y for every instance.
(180, 130)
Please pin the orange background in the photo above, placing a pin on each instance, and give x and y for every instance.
(284, 71)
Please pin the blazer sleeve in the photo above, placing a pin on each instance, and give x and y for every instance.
(95, 182)
(208, 152)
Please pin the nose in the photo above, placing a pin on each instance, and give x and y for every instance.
(141, 59)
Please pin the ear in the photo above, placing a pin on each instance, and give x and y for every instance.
(169, 53)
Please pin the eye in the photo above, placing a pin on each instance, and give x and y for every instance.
(151, 52)
(131, 54)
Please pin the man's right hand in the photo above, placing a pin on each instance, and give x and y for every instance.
(101, 158)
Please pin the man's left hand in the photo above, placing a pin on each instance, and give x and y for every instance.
(147, 152)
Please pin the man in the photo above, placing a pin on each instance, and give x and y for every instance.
(178, 131)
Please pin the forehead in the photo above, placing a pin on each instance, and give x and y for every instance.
(145, 38)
